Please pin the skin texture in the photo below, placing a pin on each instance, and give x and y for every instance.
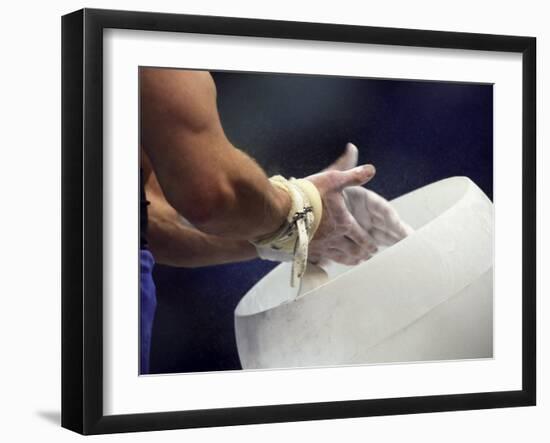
(176, 243)
(368, 221)
(376, 216)
(340, 238)
(203, 176)
(192, 170)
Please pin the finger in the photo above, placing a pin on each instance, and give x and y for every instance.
(355, 197)
(402, 229)
(385, 216)
(347, 160)
(383, 238)
(353, 177)
(344, 257)
(392, 224)
(322, 262)
(352, 250)
(361, 237)
(334, 254)
(376, 204)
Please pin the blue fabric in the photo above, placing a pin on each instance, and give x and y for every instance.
(148, 304)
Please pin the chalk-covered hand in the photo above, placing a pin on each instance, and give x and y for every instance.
(355, 222)
(376, 216)
(380, 222)
(340, 237)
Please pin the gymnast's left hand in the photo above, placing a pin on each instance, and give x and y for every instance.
(374, 223)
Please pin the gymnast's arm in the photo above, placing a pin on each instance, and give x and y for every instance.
(214, 185)
(175, 243)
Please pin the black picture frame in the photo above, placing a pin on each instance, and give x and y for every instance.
(82, 220)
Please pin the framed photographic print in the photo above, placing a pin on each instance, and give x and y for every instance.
(269, 221)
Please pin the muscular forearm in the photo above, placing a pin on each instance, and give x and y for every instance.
(230, 196)
(175, 244)
(251, 207)
(204, 177)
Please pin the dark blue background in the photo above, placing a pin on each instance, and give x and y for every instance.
(414, 132)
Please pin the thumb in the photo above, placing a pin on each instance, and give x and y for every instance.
(353, 177)
(347, 160)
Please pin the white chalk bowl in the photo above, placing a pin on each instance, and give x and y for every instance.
(428, 297)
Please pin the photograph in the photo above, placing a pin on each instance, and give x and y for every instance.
(279, 222)
(295, 221)
(270, 221)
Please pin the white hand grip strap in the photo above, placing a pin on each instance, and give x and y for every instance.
(290, 242)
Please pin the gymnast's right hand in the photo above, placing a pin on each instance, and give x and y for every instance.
(340, 237)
